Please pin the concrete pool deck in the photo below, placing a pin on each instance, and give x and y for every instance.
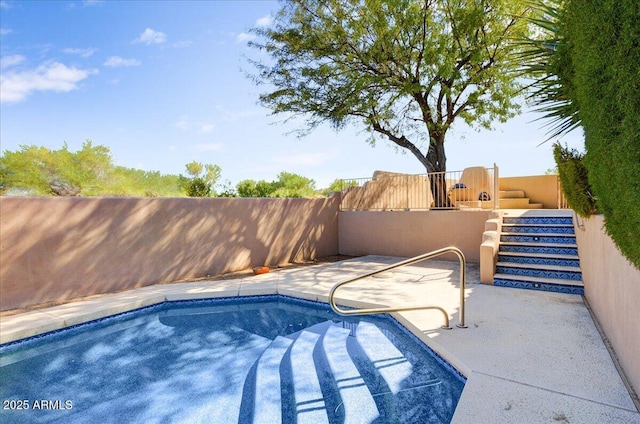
(529, 356)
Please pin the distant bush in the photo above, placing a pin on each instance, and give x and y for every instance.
(574, 178)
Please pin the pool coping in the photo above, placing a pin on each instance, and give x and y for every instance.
(491, 394)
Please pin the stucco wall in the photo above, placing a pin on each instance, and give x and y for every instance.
(612, 287)
(411, 233)
(539, 188)
(53, 249)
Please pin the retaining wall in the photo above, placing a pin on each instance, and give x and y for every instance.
(612, 288)
(411, 233)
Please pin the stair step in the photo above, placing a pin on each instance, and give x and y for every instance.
(543, 220)
(387, 359)
(548, 234)
(537, 244)
(309, 401)
(541, 255)
(358, 403)
(559, 281)
(525, 270)
(537, 224)
(538, 259)
(518, 203)
(543, 284)
(545, 238)
(537, 227)
(542, 267)
(511, 194)
(268, 402)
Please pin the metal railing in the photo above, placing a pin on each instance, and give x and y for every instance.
(369, 311)
(475, 187)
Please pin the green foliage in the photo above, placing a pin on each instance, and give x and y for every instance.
(197, 187)
(287, 185)
(339, 185)
(545, 61)
(597, 70)
(40, 171)
(34, 170)
(406, 69)
(605, 51)
(252, 188)
(574, 178)
(203, 178)
(129, 182)
(294, 185)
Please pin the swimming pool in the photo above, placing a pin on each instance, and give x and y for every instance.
(264, 359)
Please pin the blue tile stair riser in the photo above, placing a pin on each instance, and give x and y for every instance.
(544, 230)
(540, 273)
(556, 288)
(539, 261)
(540, 249)
(538, 220)
(538, 239)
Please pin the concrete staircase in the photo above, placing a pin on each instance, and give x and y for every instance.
(333, 373)
(515, 199)
(538, 251)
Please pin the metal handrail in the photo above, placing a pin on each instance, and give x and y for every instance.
(367, 311)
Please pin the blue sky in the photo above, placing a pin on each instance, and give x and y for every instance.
(163, 83)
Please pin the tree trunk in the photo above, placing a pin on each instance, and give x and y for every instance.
(438, 184)
(436, 168)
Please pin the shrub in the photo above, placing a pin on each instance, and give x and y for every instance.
(574, 178)
(197, 187)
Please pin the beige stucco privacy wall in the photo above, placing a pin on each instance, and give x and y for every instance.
(54, 249)
(612, 288)
(411, 233)
(539, 188)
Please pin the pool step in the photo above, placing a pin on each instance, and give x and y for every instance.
(388, 361)
(334, 372)
(539, 252)
(268, 405)
(308, 398)
(357, 403)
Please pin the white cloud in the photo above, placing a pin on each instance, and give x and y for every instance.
(117, 62)
(8, 61)
(51, 76)
(150, 36)
(80, 52)
(4, 5)
(205, 128)
(5, 31)
(244, 37)
(265, 21)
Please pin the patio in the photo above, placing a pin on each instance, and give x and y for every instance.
(528, 356)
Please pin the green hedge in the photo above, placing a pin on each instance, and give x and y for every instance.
(573, 175)
(604, 44)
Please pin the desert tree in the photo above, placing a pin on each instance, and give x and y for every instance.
(406, 70)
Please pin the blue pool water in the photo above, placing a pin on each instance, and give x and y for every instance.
(267, 359)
